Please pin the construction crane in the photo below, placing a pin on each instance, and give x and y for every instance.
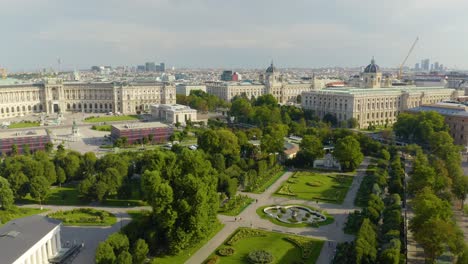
(400, 71)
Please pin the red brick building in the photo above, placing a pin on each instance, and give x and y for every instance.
(35, 139)
(137, 131)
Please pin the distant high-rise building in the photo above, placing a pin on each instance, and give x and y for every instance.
(432, 67)
(162, 67)
(425, 64)
(436, 66)
(416, 67)
(226, 76)
(150, 67)
(141, 68)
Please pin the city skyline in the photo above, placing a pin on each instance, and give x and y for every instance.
(209, 34)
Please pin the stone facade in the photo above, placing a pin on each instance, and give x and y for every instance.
(270, 83)
(370, 104)
(54, 96)
(173, 114)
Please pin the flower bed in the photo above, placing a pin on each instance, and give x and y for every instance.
(243, 233)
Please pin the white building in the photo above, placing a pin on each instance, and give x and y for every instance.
(54, 96)
(30, 240)
(271, 82)
(185, 89)
(370, 103)
(173, 113)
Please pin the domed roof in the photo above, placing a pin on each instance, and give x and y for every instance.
(372, 67)
(271, 69)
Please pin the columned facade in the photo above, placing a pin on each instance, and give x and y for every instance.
(45, 249)
(54, 96)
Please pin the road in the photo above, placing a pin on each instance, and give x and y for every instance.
(90, 236)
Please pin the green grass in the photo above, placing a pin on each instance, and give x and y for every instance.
(17, 212)
(97, 119)
(283, 251)
(138, 214)
(85, 217)
(235, 206)
(306, 185)
(330, 218)
(101, 127)
(269, 182)
(465, 209)
(185, 254)
(133, 200)
(24, 125)
(123, 202)
(68, 195)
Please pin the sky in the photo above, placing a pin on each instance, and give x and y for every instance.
(231, 34)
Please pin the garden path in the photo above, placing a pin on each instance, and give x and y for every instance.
(332, 234)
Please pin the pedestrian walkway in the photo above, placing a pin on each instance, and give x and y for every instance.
(331, 234)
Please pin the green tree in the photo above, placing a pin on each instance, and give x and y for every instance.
(348, 152)
(14, 149)
(311, 148)
(273, 138)
(6, 194)
(139, 252)
(119, 243)
(366, 243)
(124, 258)
(105, 254)
(435, 235)
(48, 147)
(61, 176)
(39, 188)
(88, 163)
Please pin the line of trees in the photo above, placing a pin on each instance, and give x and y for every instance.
(436, 181)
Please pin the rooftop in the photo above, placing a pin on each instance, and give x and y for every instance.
(19, 235)
(444, 108)
(139, 125)
(174, 107)
(395, 89)
(7, 134)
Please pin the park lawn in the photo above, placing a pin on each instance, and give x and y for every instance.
(138, 214)
(65, 195)
(84, 217)
(327, 187)
(18, 212)
(282, 250)
(122, 202)
(236, 205)
(134, 198)
(24, 125)
(185, 254)
(101, 127)
(98, 119)
(330, 218)
(269, 182)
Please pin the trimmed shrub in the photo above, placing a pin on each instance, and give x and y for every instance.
(260, 257)
(226, 251)
(213, 260)
(243, 233)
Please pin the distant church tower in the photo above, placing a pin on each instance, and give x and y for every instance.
(372, 76)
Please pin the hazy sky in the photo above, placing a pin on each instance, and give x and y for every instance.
(236, 33)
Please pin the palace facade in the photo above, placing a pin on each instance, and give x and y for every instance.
(270, 83)
(370, 104)
(55, 96)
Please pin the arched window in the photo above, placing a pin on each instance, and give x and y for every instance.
(12, 109)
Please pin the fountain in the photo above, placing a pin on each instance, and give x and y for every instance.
(294, 214)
